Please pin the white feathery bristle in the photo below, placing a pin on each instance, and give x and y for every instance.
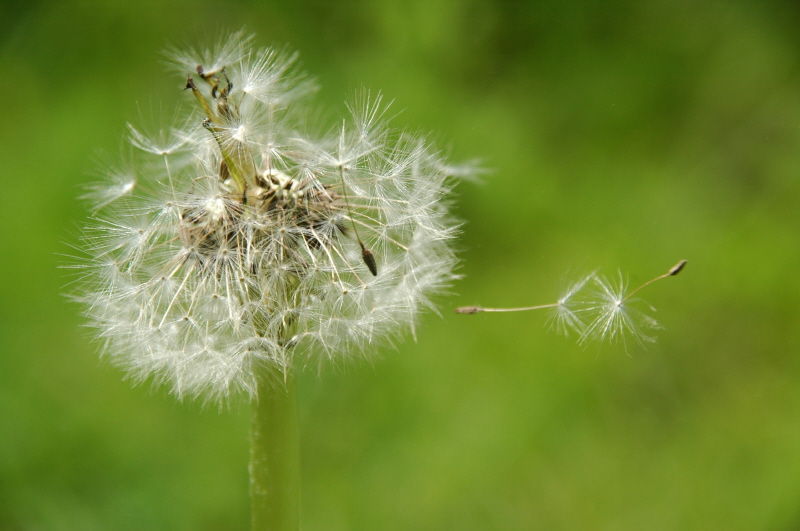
(615, 316)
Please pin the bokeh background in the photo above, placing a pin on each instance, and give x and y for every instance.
(620, 135)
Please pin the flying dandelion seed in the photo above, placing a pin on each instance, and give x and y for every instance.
(610, 310)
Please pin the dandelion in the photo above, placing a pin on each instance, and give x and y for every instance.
(244, 248)
(609, 309)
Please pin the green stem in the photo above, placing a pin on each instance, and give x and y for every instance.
(275, 456)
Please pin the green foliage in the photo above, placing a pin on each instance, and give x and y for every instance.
(621, 134)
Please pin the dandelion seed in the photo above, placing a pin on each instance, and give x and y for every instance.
(611, 305)
(162, 141)
(118, 182)
(271, 249)
(616, 313)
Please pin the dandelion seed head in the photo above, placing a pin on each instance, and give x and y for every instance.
(268, 249)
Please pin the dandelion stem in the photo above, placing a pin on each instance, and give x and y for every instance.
(275, 455)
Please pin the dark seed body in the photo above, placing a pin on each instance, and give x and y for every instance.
(369, 259)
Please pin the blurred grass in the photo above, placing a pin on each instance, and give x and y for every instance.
(620, 135)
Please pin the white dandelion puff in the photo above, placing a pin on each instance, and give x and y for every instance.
(269, 249)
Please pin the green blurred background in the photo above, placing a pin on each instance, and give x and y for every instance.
(619, 134)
